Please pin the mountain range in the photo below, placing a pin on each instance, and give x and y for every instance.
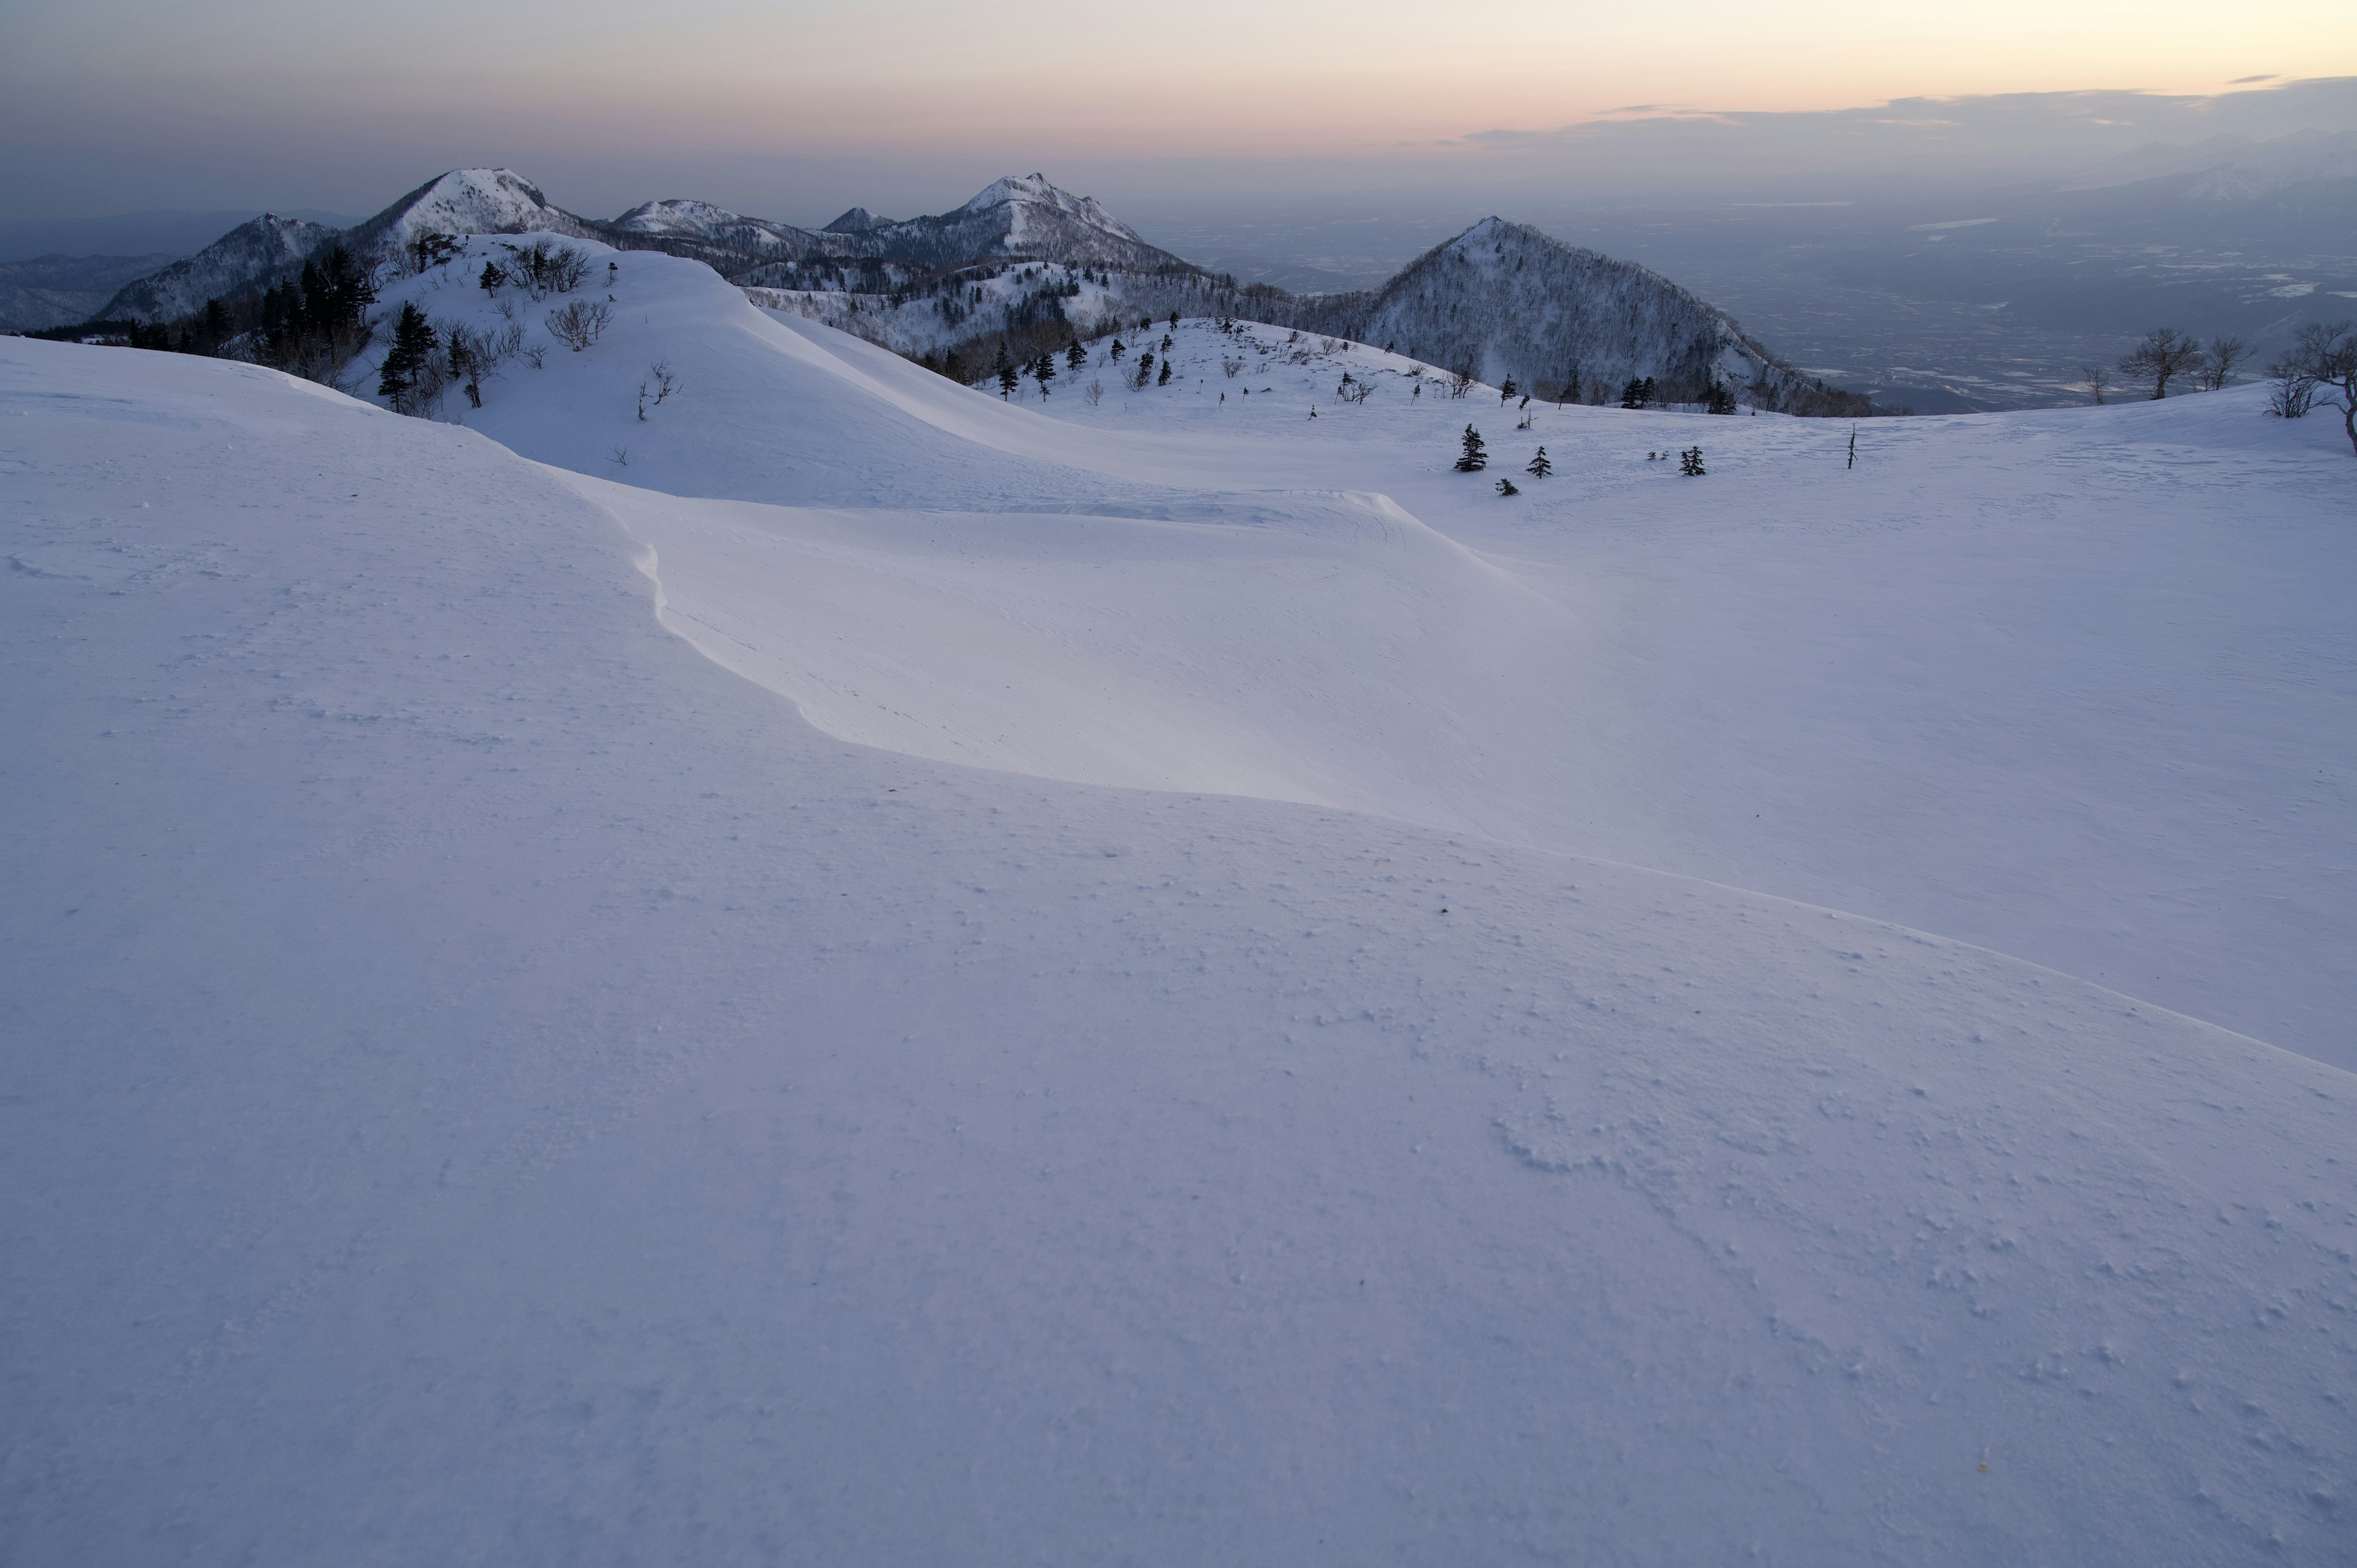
(1501, 300)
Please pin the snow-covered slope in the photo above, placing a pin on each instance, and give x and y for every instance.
(489, 1084)
(251, 256)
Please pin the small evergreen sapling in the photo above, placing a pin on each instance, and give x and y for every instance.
(1507, 488)
(1475, 456)
(1690, 462)
(1003, 368)
(1539, 467)
(1164, 379)
(1076, 355)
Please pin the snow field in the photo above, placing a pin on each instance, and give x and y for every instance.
(1141, 1078)
(2072, 685)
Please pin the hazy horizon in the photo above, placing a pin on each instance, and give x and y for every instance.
(800, 112)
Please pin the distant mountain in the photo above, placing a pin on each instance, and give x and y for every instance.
(254, 255)
(1017, 218)
(1504, 300)
(251, 256)
(1501, 299)
(54, 290)
(2227, 168)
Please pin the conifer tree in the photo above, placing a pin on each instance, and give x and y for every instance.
(1164, 379)
(1508, 487)
(413, 345)
(492, 277)
(1043, 371)
(1506, 393)
(1076, 355)
(1690, 462)
(1119, 348)
(1539, 467)
(1633, 394)
(1475, 456)
(1003, 369)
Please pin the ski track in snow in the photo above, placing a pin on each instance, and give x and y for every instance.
(491, 1085)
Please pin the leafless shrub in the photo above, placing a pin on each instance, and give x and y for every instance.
(1460, 381)
(579, 324)
(1095, 393)
(536, 355)
(1230, 368)
(620, 454)
(2293, 392)
(542, 269)
(2096, 379)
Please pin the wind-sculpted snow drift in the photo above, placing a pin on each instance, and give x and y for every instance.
(494, 1085)
(2065, 687)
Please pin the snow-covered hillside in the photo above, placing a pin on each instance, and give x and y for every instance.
(253, 255)
(849, 970)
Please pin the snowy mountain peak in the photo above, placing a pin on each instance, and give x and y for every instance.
(676, 215)
(858, 220)
(466, 202)
(1035, 192)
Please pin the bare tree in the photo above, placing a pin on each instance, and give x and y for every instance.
(2326, 353)
(2218, 364)
(2096, 379)
(2165, 355)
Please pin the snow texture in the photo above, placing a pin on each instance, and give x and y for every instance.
(895, 978)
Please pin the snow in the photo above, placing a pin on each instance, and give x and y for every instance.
(912, 978)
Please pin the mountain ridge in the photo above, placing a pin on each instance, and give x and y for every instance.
(1501, 300)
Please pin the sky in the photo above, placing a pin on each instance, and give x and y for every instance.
(798, 110)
